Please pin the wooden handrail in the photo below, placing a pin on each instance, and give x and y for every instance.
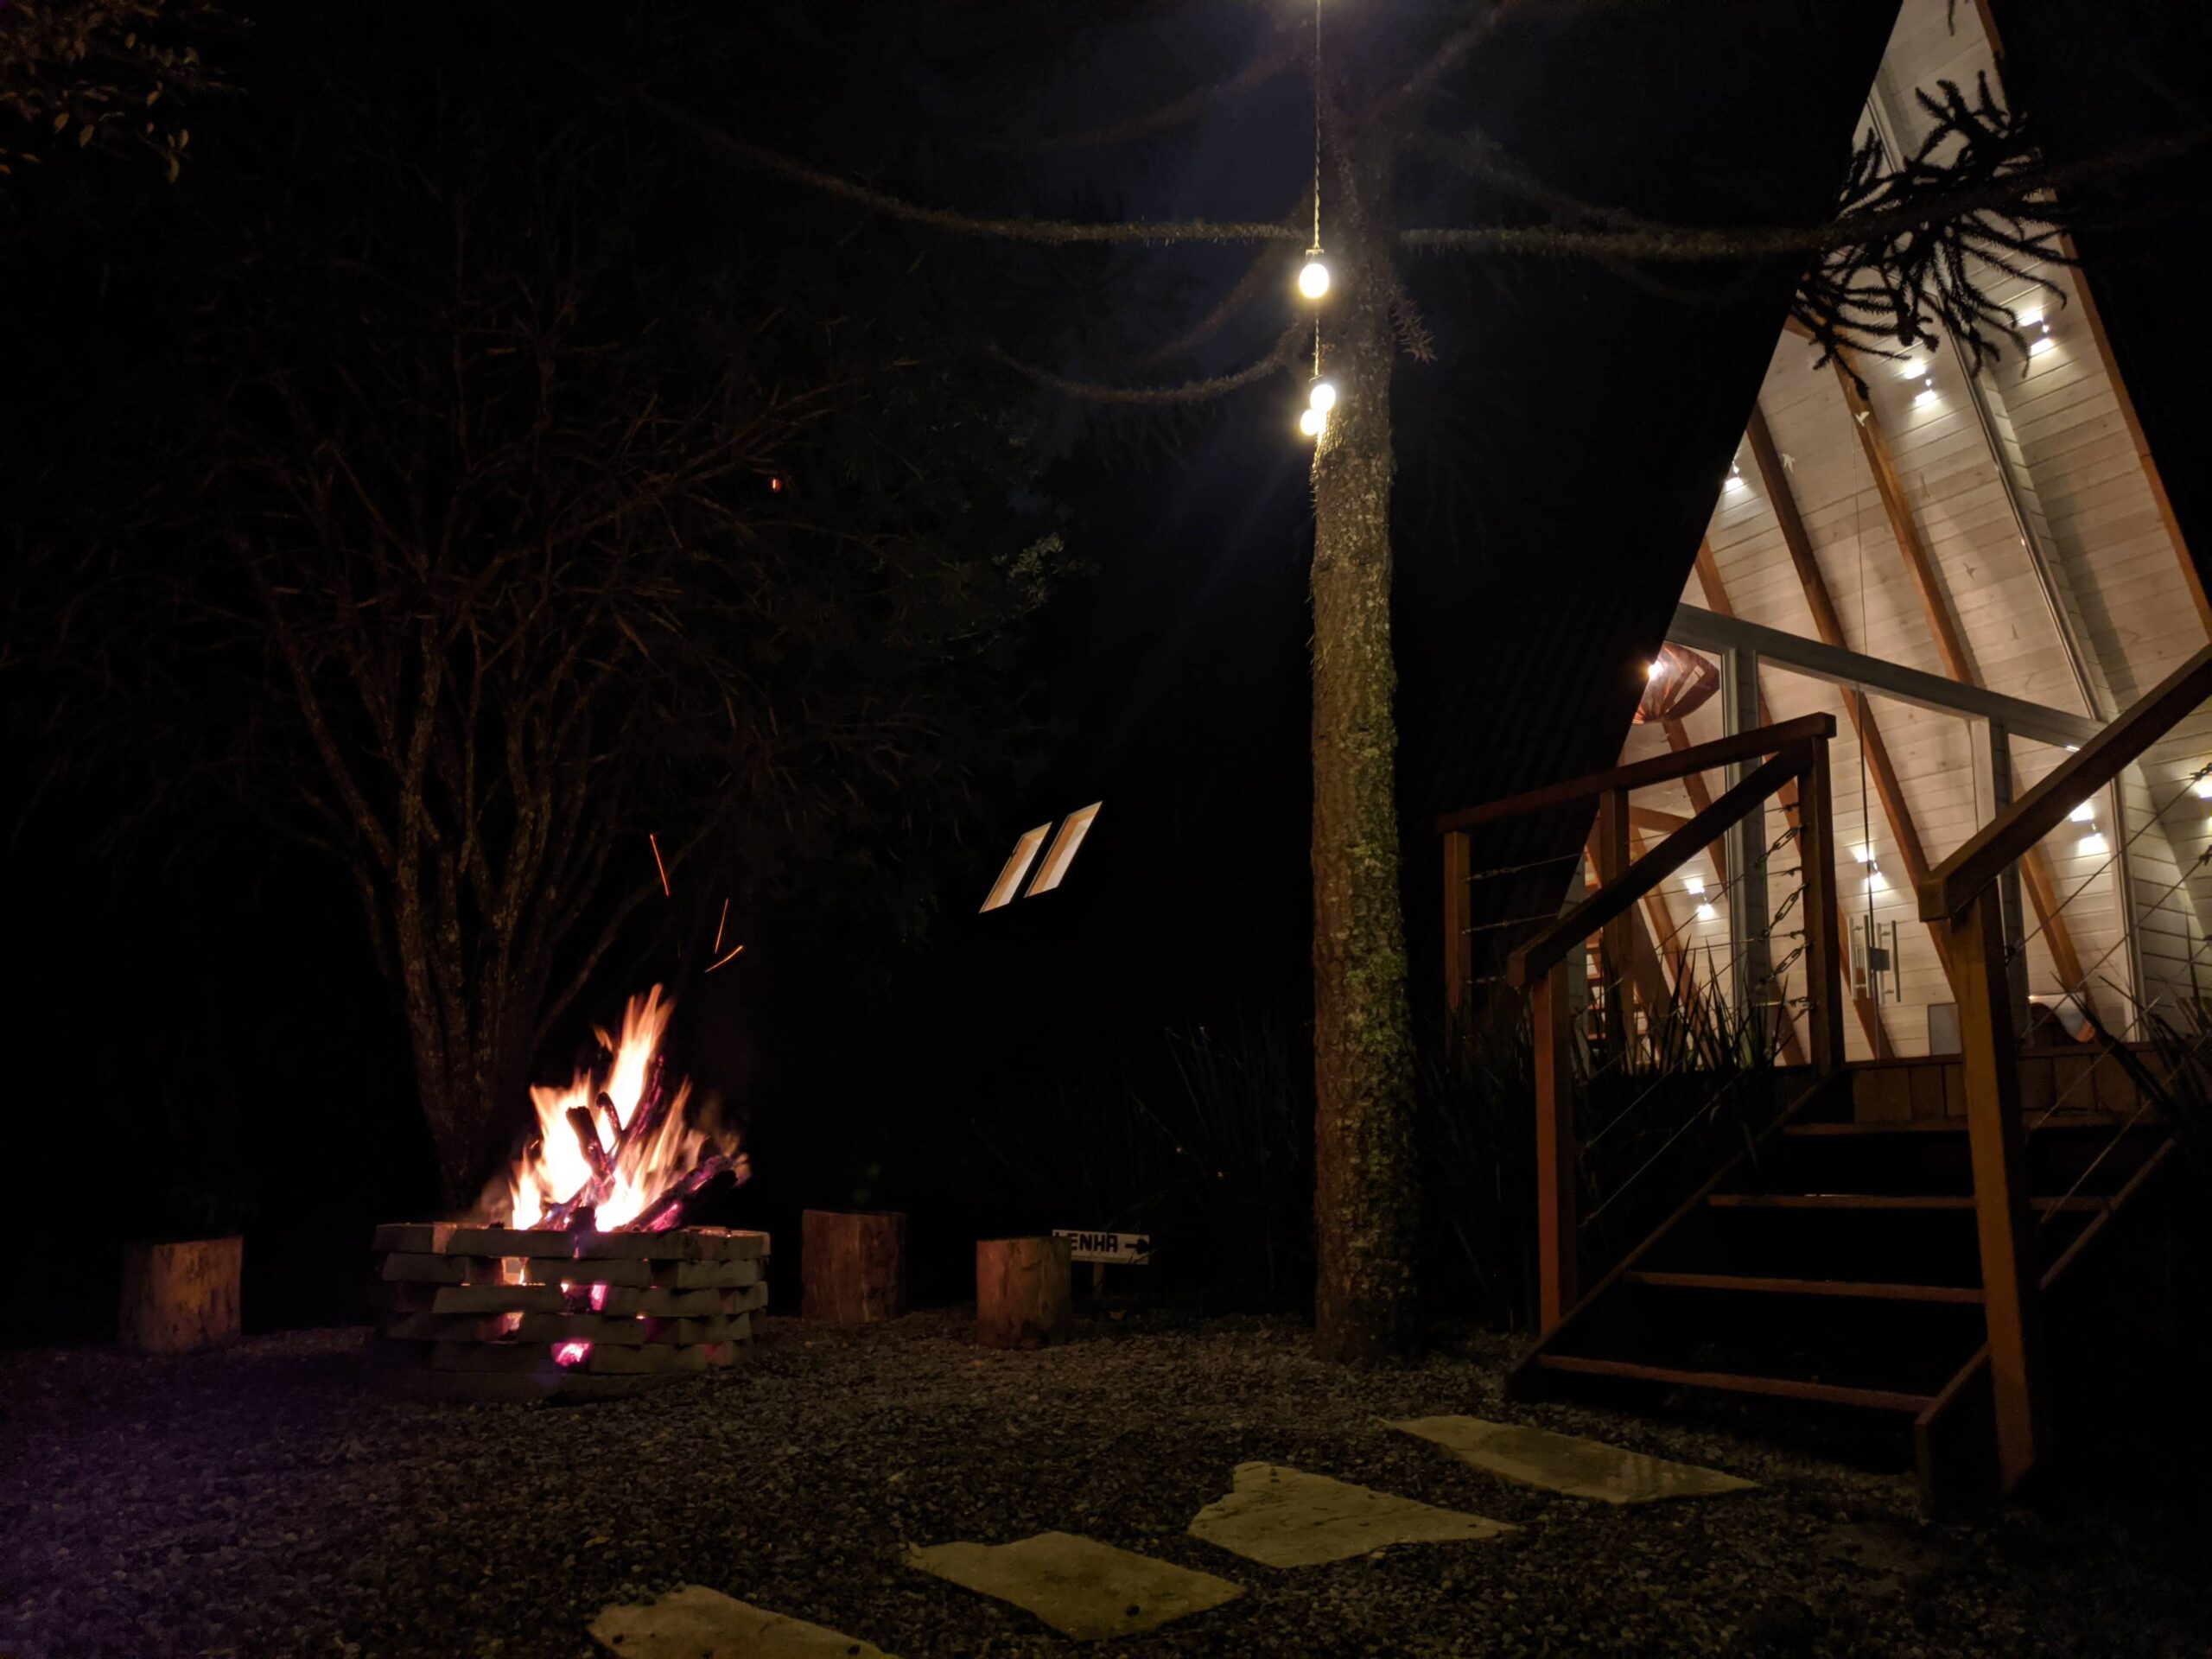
(1617, 898)
(1660, 769)
(1948, 889)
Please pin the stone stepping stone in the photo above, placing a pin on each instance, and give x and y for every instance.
(697, 1622)
(1286, 1517)
(1565, 1463)
(1077, 1585)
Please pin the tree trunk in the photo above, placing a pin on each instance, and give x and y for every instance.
(472, 1080)
(1366, 1194)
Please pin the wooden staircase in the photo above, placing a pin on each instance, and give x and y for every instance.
(1836, 1264)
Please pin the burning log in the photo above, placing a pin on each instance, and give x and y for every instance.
(662, 1213)
(580, 1120)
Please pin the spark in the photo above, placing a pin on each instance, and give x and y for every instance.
(731, 956)
(720, 924)
(662, 868)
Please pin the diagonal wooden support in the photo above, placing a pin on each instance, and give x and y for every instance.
(1895, 809)
(1928, 582)
(1716, 599)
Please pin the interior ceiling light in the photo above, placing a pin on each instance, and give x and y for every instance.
(2085, 813)
(1707, 912)
(1693, 884)
(2093, 845)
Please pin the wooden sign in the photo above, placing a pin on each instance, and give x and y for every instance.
(1120, 1249)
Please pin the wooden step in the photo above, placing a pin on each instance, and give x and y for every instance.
(1830, 1394)
(1883, 1201)
(1862, 1289)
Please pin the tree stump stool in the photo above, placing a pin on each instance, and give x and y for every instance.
(852, 1265)
(180, 1297)
(1022, 1296)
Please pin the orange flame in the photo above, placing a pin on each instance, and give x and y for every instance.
(555, 1169)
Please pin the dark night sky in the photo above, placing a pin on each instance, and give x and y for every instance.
(1558, 463)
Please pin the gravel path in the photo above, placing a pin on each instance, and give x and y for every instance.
(263, 1503)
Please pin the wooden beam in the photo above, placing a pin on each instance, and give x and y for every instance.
(1958, 663)
(2003, 1221)
(1895, 809)
(1551, 942)
(1950, 889)
(1556, 1153)
(1716, 600)
(1659, 769)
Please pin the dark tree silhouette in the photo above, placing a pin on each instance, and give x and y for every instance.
(493, 530)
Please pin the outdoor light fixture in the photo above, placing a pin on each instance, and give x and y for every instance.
(1322, 395)
(1693, 884)
(1707, 912)
(1876, 881)
(2085, 813)
(1735, 480)
(1313, 276)
(2203, 787)
(2093, 845)
(1654, 668)
(1311, 422)
(1862, 855)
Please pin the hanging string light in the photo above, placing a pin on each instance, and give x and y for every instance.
(1313, 276)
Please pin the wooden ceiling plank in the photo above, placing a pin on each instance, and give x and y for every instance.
(1894, 808)
(1958, 662)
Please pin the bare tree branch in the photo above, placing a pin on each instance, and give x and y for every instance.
(1284, 354)
(1049, 231)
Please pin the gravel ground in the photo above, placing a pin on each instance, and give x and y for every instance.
(263, 1503)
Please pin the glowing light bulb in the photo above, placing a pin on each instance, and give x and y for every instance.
(2203, 787)
(1693, 884)
(1313, 276)
(1322, 396)
(1311, 422)
(1655, 669)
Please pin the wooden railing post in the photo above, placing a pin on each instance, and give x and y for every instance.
(1617, 941)
(1998, 1147)
(1459, 942)
(1823, 919)
(1556, 1224)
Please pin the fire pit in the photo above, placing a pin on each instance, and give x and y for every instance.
(517, 1313)
(575, 1277)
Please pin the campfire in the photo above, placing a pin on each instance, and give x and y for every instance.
(575, 1277)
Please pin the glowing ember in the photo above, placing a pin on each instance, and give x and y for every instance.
(616, 1147)
(571, 1353)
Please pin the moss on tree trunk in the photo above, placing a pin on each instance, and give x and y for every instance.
(1366, 1186)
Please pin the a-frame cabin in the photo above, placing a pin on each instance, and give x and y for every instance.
(1924, 778)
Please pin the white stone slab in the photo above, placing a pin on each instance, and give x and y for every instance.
(1079, 1586)
(1286, 1517)
(697, 1622)
(1565, 1463)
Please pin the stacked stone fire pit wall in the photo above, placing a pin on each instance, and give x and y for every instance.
(504, 1314)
